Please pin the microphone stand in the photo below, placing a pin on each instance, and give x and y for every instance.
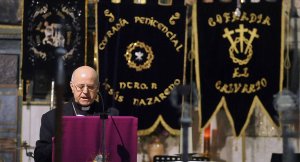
(185, 123)
(184, 92)
(286, 105)
(103, 117)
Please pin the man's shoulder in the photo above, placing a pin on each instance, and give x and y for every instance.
(67, 110)
(49, 113)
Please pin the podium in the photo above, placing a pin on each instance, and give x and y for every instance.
(82, 139)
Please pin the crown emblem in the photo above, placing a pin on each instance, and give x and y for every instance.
(241, 49)
(139, 56)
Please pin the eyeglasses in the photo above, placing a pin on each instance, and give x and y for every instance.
(80, 87)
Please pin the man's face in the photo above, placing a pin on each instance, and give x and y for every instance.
(84, 87)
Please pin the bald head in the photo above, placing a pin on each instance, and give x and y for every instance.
(84, 72)
(85, 85)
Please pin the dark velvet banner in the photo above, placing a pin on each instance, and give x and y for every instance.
(240, 59)
(141, 58)
(47, 26)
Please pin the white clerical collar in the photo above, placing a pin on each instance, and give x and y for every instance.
(85, 108)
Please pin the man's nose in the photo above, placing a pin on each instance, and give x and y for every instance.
(85, 89)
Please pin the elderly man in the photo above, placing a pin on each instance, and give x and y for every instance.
(85, 86)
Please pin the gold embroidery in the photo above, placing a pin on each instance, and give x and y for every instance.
(139, 56)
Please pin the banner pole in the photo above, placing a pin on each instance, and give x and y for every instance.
(19, 118)
(96, 53)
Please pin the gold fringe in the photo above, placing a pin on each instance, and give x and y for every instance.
(282, 46)
(159, 120)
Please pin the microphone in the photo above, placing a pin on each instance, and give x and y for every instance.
(189, 93)
(103, 111)
(112, 111)
(104, 114)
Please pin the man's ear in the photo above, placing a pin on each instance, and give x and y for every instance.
(71, 86)
(97, 90)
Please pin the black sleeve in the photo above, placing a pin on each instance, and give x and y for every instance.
(43, 149)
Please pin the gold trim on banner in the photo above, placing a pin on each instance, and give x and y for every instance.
(96, 54)
(140, 2)
(116, 1)
(283, 7)
(222, 104)
(85, 30)
(13, 27)
(256, 103)
(287, 61)
(151, 129)
(21, 82)
(165, 2)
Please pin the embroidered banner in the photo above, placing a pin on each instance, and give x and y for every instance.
(240, 59)
(48, 25)
(141, 55)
